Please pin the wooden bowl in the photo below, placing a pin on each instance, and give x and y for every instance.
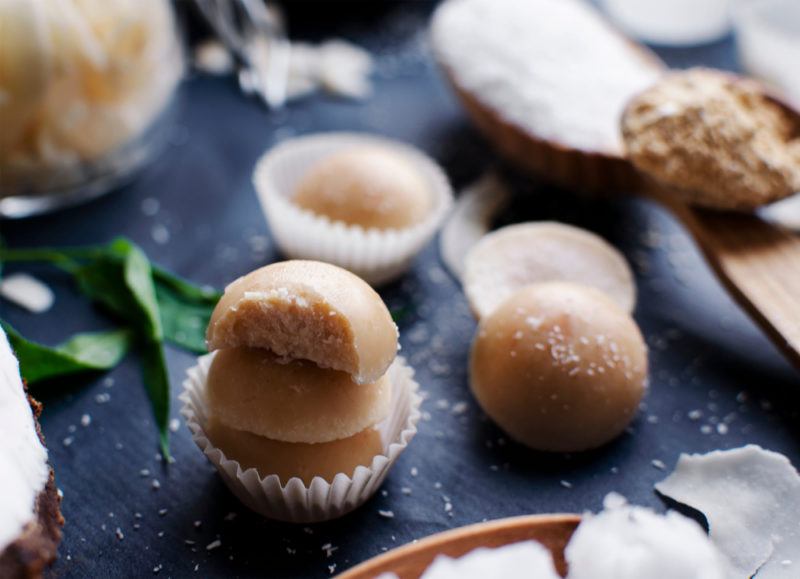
(578, 169)
(410, 561)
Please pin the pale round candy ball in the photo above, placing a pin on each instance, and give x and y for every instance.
(559, 366)
(308, 310)
(290, 459)
(253, 390)
(368, 186)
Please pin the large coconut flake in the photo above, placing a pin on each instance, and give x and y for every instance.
(751, 500)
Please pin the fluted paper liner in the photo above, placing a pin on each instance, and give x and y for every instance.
(321, 501)
(375, 255)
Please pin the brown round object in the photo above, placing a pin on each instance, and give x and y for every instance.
(714, 139)
(311, 311)
(287, 459)
(368, 186)
(559, 367)
(293, 401)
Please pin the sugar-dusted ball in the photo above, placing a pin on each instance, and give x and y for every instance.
(559, 367)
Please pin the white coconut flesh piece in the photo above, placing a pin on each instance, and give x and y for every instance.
(629, 542)
(519, 255)
(751, 500)
(785, 213)
(470, 220)
(27, 292)
(528, 559)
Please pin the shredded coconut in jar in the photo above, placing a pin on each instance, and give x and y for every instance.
(79, 80)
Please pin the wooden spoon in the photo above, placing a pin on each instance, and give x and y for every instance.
(759, 264)
(410, 561)
(757, 261)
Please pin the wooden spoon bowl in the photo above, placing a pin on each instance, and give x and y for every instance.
(410, 561)
(581, 170)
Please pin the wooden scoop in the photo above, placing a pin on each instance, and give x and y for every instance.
(759, 264)
(757, 261)
(410, 561)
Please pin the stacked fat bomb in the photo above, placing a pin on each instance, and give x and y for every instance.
(299, 377)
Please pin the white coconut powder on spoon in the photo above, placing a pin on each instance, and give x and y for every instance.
(554, 68)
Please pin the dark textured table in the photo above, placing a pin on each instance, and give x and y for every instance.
(707, 358)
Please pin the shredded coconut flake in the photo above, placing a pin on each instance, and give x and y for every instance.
(751, 499)
(27, 292)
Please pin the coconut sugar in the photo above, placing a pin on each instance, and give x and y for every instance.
(716, 139)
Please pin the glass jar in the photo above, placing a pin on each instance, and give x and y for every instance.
(86, 87)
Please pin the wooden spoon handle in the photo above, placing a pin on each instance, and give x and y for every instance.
(758, 262)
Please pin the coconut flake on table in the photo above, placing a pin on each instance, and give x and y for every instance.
(27, 292)
(751, 500)
(344, 69)
(337, 66)
(628, 542)
(212, 57)
(552, 67)
(471, 219)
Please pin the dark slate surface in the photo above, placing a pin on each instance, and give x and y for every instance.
(705, 354)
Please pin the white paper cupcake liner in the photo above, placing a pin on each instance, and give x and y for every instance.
(375, 255)
(321, 501)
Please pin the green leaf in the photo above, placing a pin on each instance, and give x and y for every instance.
(399, 314)
(185, 290)
(52, 254)
(91, 351)
(138, 276)
(184, 323)
(153, 302)
(156, 380)
(185, 309)
(139, 280)
(99, 349)
(103, 282)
